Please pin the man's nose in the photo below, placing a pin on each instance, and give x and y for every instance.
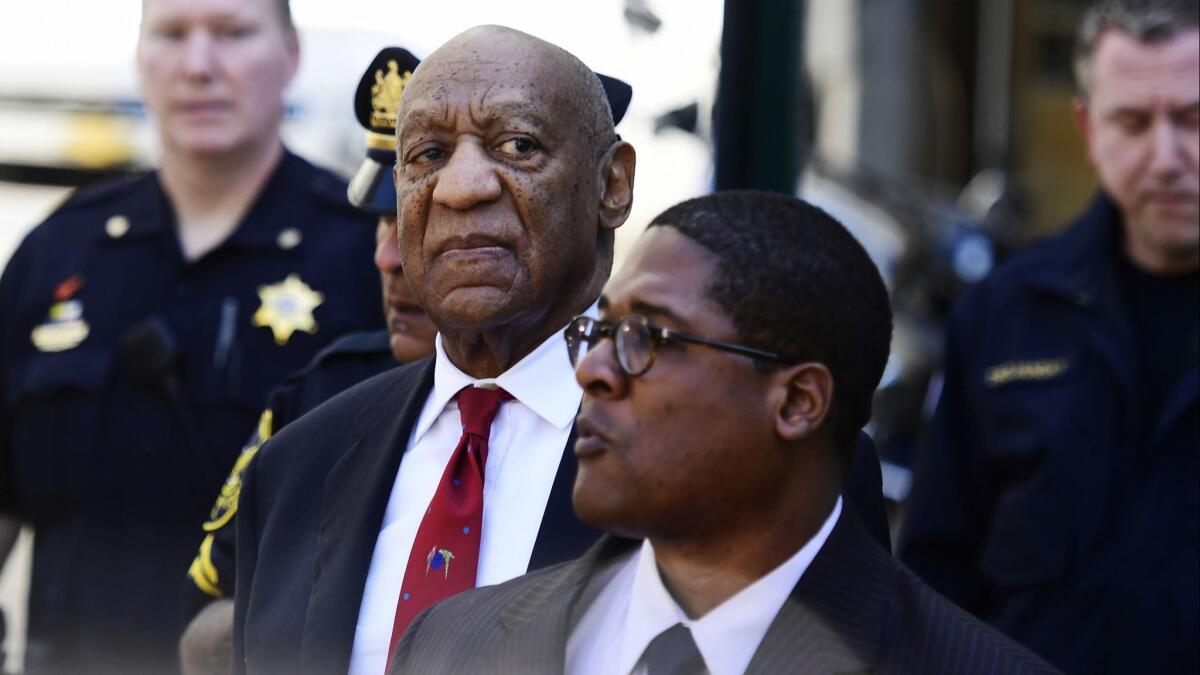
(387, 253)
(199, 54)
(1166, 148)
(599, 374)
(468, 178)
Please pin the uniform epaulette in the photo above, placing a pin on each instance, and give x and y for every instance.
(98, 193)
(363, 342)
(329, 188)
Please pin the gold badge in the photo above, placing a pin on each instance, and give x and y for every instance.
(385, 95)
(287, 307)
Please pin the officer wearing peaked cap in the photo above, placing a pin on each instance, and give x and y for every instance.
(143, 324)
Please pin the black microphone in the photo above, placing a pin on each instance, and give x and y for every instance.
(149, 352)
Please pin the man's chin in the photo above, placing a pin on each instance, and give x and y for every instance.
(475, 308)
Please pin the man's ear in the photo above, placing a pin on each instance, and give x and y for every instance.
(803, 400)
(616, 189)
(1079, 112)
(292, 45)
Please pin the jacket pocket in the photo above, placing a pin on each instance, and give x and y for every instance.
(58, 409)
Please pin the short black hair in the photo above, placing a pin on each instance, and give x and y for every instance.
(795, 282)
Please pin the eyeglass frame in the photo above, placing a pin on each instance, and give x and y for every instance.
(658, 337)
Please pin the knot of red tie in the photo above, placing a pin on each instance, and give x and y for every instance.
(477, 407)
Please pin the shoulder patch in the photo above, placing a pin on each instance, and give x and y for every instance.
(227, 502)
(1025, 371)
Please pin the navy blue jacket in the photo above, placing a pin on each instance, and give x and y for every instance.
(1037, 505)
(131, 376)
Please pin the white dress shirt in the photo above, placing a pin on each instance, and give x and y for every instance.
(634, 607)
(527, 440)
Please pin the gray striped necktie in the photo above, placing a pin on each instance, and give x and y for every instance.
(674, 652)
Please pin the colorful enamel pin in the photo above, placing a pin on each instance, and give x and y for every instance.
(64, 327)
(287, 307)
(439, 559)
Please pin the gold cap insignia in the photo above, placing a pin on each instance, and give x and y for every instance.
(287, 307)
(385, 95)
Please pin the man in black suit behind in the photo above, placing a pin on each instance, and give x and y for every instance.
(738, 350)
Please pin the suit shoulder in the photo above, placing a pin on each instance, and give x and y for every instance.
(332, 425)
(434, 644)
(933, 634)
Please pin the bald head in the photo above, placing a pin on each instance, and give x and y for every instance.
(509, 184)
(520, 65)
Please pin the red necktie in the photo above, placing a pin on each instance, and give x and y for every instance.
(445, 555)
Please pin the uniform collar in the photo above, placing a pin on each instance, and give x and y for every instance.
(1087, 251)
(543, 381)
(276, 209)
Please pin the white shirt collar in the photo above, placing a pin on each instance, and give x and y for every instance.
(537, 381)
(728, 635)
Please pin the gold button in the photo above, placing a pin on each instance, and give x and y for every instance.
(289, 238)
(116, 226)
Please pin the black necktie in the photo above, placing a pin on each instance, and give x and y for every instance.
(674, 652)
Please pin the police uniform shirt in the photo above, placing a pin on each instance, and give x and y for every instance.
(131, 377)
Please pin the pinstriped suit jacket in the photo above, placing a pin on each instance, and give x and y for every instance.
(855, 610)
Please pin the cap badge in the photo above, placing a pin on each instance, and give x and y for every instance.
(385, 95)
(287, 307)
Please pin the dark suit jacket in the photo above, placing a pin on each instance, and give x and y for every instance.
(855, 610)
(312, 503)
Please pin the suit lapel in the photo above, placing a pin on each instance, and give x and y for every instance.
(562, 535)
(833, 622)
(355, 497)
(541, 618)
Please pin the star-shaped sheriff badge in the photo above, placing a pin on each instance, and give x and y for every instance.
(287, 307)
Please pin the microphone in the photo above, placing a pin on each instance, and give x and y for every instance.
(149, 352)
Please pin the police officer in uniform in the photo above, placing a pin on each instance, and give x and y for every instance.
(1059, 497)
(348, 361)
(144, 323)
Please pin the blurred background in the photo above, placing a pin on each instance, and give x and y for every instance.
(939, 131)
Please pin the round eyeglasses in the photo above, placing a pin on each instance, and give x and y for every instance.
(637, 340)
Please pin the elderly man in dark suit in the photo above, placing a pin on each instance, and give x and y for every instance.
(737, 351)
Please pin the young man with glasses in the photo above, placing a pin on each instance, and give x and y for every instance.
(735, 358)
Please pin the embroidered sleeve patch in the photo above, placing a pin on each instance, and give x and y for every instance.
(1019, 371)
(227, 501)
